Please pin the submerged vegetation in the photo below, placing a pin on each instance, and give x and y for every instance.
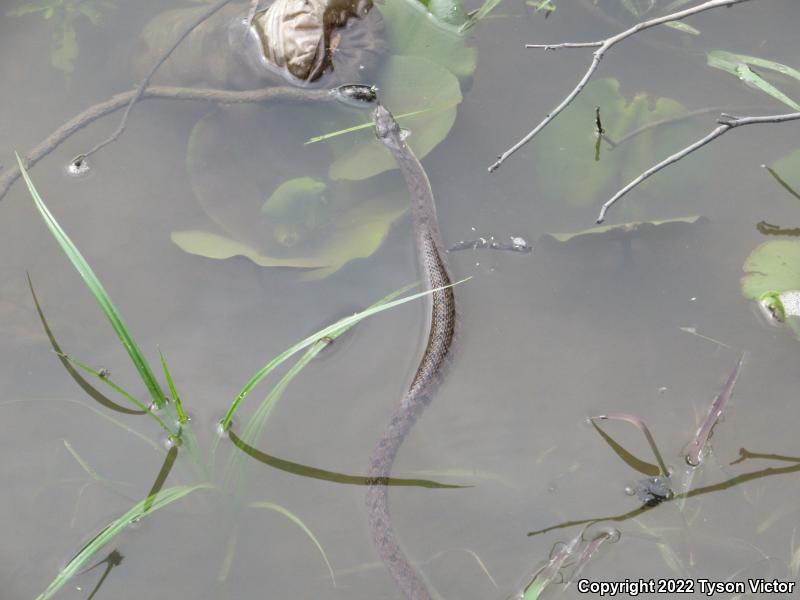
(170, 414)
(63, 14)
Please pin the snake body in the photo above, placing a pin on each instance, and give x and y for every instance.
(442, 317)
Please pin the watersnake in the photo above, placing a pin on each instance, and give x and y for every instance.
(442, 317)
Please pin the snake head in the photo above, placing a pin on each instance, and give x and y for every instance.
(385, 125)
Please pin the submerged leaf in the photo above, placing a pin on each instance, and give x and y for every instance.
(623, 229)
(412, 31)
(566, 165)
(293, 192)
(359, 232)
(214, 245)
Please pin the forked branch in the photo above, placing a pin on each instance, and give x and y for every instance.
(602, 47)
(726, 123)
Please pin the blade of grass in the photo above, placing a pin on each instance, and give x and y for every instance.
(297, 521)
(107, 380)
(487, 7)
(186, 434)
(327, 136)
(93, 392)
(183, 418)
(781, 181)
(98, 291)
(258, 420)
(312, 339)
(634, 420)
(112, 529)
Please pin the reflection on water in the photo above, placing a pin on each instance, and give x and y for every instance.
(591, 325)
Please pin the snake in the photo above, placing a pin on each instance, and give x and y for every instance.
(441, 315)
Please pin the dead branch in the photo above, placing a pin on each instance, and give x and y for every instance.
(114, 103)
(602, 47)
(146, 81)
(726, 123)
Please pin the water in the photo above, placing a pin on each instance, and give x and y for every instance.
(545, 339)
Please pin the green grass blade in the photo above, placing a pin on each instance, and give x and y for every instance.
(259, 419)
(296, 520)
(98, 291)
(112, 529)
(487, 7)
(107, 380)
(90, 390)
(183, 418)
(312, 339)
(185, 434)
(327, 136)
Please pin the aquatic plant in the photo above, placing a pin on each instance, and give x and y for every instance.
(64, 13)
(173, 411)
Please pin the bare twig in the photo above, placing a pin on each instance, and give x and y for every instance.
(726, 123)
(602, 47)
(144, 83)
(114, 103)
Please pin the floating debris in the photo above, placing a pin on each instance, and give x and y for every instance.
(517, 244)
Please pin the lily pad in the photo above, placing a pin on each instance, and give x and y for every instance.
(412, 31)
(407, 84)
(566, 164)
(357, 233)
(772, 278)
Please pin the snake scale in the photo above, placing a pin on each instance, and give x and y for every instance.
(442, 316)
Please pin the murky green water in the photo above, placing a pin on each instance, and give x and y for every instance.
(545, 340)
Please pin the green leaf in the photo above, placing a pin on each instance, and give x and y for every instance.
(99, 292)
(214, 245)
(136, 513)
(565, 164)
(772, 277)
(449, 12)
(357, 233)
(739, 65)
(489, 5)
(407, 84)
(411, 31)
(293, 192)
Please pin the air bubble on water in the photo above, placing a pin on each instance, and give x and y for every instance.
(630, 490)
(518, 242)
(78, 166)
(662, 389)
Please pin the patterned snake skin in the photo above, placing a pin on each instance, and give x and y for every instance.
(442, 325)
